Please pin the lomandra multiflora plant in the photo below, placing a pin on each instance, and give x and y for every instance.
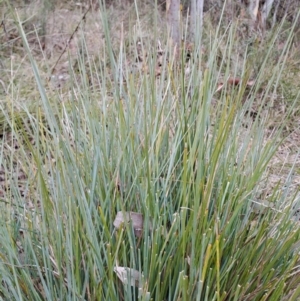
(144, 187)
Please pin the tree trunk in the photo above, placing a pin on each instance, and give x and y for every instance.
(173, 17)
(253, 10)
(196, 21)
(265, 12)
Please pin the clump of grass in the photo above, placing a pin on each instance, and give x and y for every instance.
(190, 164)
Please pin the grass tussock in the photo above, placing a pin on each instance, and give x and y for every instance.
(126, 185)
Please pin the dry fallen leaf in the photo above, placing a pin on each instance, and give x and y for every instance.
(234, 81)
(128, 276)
(188, 259)
(135, 218)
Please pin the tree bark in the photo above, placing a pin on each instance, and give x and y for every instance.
(196, 21)
(265, 12)
(173, 17)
